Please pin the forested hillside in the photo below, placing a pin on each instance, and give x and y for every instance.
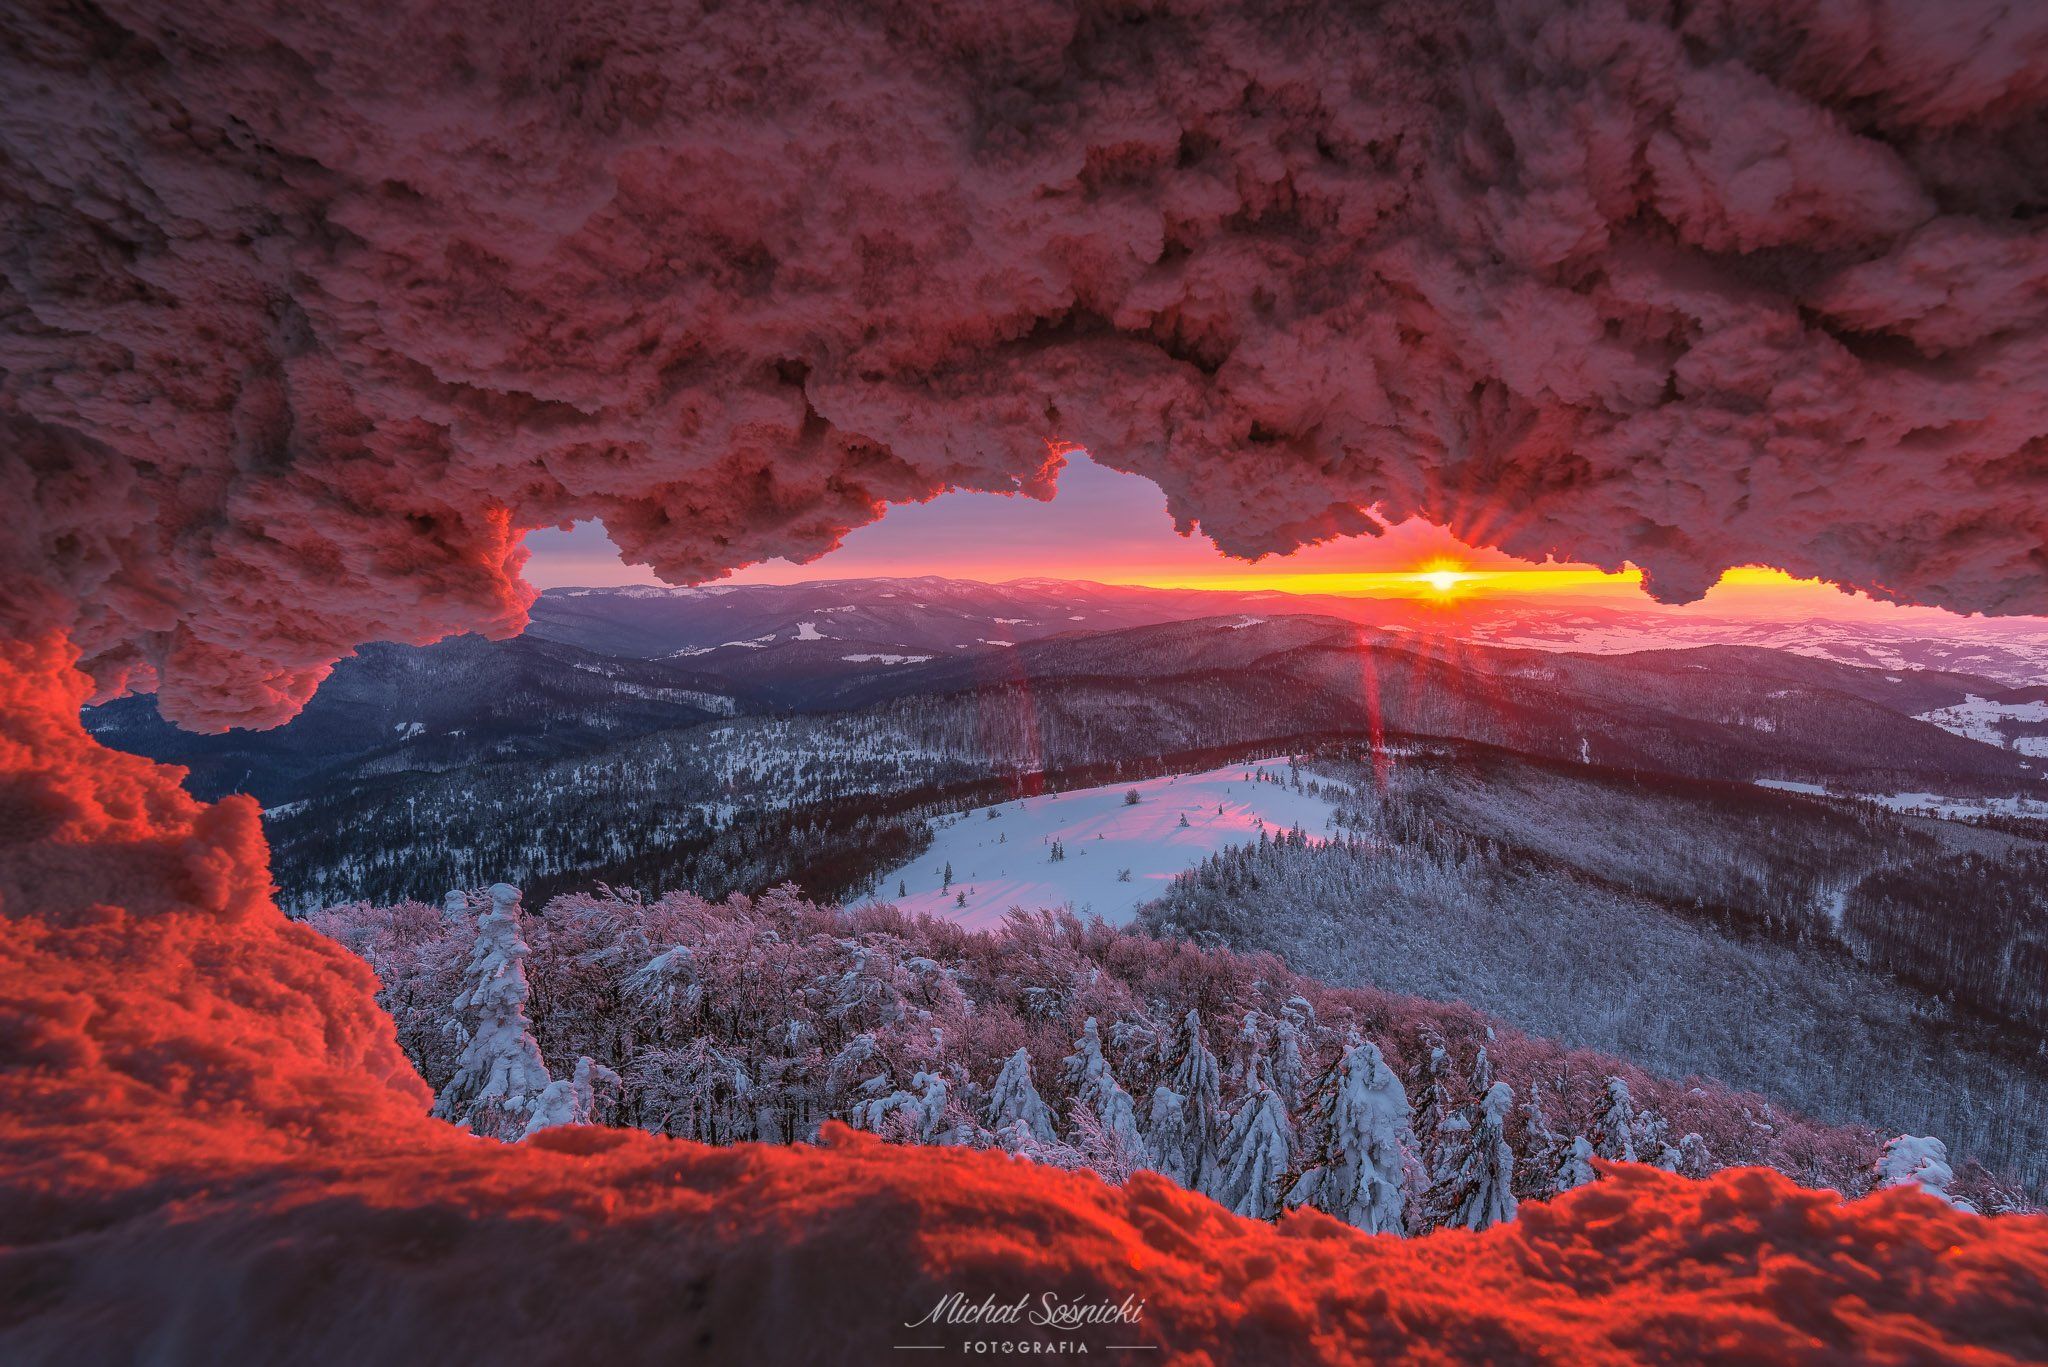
(1069, 1044)
(1690, 927)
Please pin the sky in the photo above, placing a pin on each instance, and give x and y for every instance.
(1113, 528)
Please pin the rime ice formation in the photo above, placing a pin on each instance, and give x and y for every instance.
(311, 312)
(308, 312)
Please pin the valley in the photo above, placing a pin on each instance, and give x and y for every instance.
(1721, 859)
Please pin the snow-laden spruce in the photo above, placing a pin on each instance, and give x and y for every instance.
(573, 1100)
(1433, 1098)
(1087, 1071)
(1255, 1158)
(500, 1074)
(1186, 1148)
(1015, 1100)
(1614, 1137)
(1290, 1069)
(1360, 1163)
(1478, 1193)
(1575, 1167)
(1914, 1160)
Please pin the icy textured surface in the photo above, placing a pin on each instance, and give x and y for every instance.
(312, 310)
(296, 351)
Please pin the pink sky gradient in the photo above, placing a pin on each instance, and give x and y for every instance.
(1114, 528)
(1104, 525)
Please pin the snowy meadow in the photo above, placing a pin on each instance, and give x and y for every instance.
(1104, 850)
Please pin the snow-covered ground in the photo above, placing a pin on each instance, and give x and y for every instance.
(1001, 856)
(1924, 804)
(1978, 719)
(1953, 808)
(1786, 785)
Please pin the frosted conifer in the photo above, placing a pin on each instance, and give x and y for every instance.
(1360, 1161)
(1199, 1084)
(1087, 1071)
(1014, 1098)
(1919, 1161)
(500, 1074)
(1614, 1133)
(1254, 1159)
(1480, 1193)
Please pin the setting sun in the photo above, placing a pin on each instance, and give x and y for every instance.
(1443, 581)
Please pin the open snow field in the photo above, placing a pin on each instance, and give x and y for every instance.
(1002, 855)
(1924, 804)
(1978, 719)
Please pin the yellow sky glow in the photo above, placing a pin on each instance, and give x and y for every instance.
(1437, 578)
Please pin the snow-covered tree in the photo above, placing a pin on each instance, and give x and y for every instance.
(1359, 1159)
(1087, 1071)
(1111, 1155)
(1249, 1066)
(1480, 1192)
(701, 1091)
(1166, 1134)
(915, 1117)
(1017, 1139)
(1614, 1133)
(1254, 1158)
(666, 985)
(1197, 1083)
(1575, 1167)
(1290, 1068)
(580, 1099)
(1920, 1161)
(500, 1074)
(1014, 1098)
(1694, 1159)
(1543, 1146)
(852, 1066)
(1481, 1076)
(1432, 1098)
(1453, 1143)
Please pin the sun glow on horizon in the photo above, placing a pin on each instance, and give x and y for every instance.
(1114, 529)
(1444, 579)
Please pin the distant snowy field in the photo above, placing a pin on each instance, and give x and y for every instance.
(1978, 719)
(1925, 804)
(1001, 856)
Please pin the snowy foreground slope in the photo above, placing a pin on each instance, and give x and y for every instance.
(1112, 854)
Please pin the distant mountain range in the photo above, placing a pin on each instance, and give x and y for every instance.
(923, 615)
(601, 667)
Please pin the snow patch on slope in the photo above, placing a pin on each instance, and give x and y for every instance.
(1978, 719)
(1001, 855)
